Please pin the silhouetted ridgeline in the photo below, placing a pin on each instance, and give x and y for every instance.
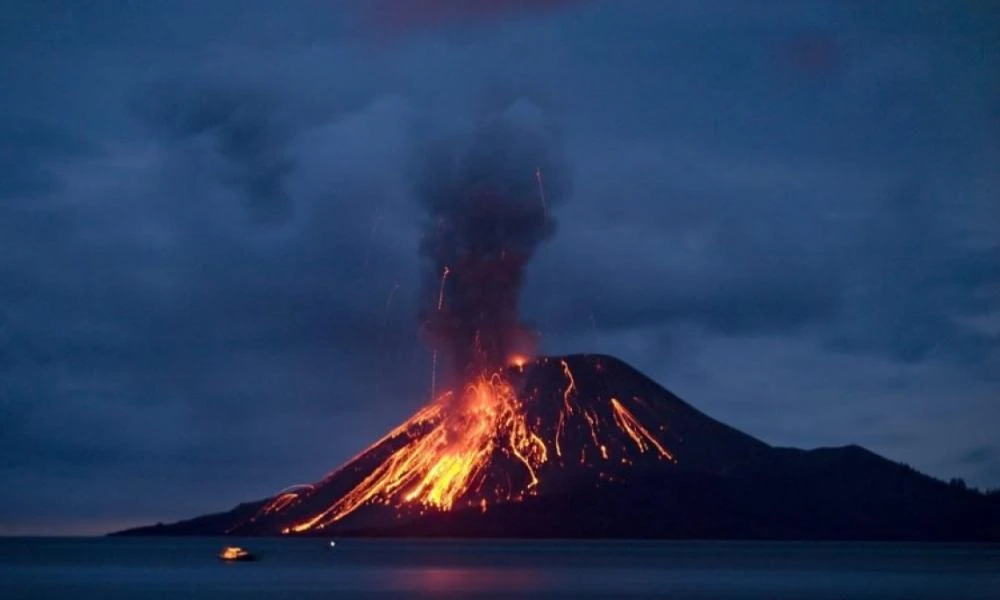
(723, 484)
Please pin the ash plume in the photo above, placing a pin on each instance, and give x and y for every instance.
(488, 199)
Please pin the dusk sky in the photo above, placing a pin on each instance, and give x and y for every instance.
(784, 212)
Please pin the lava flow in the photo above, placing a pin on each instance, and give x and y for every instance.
(490, 446)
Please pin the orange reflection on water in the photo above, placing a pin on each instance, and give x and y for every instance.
(458, 579)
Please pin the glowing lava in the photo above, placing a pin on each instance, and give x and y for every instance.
(447, 463)
(487, 446)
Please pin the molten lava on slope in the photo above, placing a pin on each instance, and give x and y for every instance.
(518, 432)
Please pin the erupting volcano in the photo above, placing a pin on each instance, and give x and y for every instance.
(550, 425)
(570, 446)
(586, 446)
(493, 436)
(505, 429)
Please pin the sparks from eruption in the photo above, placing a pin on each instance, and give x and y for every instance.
(627, 421)
(444, 278)
(434, 353)
(541, 193)
(385, 314)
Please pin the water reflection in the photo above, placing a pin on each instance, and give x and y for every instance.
(112, 569)
(451, 580)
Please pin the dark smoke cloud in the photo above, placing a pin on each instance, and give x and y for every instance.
(486, 215)
(241, 128)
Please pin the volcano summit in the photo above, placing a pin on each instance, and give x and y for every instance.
(570, 446)
(586, 446)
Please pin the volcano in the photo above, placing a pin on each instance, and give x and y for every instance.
(587, 446)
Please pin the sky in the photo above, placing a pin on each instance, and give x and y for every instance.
(785, 213)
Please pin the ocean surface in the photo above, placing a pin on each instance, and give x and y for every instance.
(113, 568)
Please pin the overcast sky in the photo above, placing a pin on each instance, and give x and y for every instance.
(784, 212)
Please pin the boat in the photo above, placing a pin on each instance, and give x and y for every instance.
(236, 554)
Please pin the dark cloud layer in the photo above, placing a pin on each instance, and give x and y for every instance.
(401, 16)
(239, 124)
(28, 148)
(210, 278)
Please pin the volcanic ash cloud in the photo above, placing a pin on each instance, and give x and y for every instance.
(488, 198)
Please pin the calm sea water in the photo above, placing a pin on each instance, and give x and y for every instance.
(188, 568)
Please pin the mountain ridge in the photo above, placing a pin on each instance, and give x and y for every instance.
(609, 453)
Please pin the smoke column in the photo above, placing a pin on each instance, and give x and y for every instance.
(484, 220)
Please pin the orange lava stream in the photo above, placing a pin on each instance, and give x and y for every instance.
(280, 502)
(443, 456)
(445, 464)
(592, 423)
(628, 423)
(570, 388)
(559, 430)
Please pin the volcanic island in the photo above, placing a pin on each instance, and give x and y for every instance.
(520, 445)
(585, 446)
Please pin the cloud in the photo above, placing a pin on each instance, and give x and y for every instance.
(237, 124)
(149, 314)
(29, 148)
(912, 284)
(709, 257)
(979, 454)
(202, 222)
(404, 15)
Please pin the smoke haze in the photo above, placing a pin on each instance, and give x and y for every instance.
(487, 198)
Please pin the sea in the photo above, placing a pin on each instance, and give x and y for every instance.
(112, 568)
